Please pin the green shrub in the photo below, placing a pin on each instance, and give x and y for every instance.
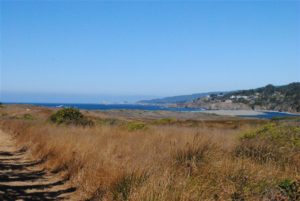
(279, 134)
(165, 121)
(133, 126)
(290, 188)
(70, 116)
(3, 114)
(271, 142)
(28, 117)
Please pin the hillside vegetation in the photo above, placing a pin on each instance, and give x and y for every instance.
(175, 99)
(278, 98)
(165, 159)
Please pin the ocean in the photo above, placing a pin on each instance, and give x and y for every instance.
(114, 107)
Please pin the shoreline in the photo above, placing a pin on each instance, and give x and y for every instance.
(234, 112)
(246, 112)
(153, 108)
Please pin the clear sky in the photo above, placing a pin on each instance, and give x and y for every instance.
(90, 51)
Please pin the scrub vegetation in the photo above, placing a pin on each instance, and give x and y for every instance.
(70, 116)
(164, 159)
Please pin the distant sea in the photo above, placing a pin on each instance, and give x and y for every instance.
(113, 106)
(265, 115)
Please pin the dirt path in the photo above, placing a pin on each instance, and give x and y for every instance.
(22, 178)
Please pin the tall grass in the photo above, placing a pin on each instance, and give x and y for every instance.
(162, 162)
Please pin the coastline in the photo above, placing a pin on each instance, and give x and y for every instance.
(234, 112)
(150, 110)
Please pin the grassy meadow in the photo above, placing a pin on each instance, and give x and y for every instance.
(162, 157)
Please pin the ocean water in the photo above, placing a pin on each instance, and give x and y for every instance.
(265, 115)
(115, 107)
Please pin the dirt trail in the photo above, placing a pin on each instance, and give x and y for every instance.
(22, 178)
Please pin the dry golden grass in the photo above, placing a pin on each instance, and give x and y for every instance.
(161, 162)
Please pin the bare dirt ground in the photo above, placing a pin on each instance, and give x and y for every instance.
(22, 177)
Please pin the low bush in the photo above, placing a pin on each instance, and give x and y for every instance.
(165, 121)
(290, 188)
(133, 126)
(3, 114)
(271, 142)
(28, 117)
(70, 116)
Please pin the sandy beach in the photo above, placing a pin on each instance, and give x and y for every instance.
(234, 112)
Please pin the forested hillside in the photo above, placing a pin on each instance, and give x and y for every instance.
(279, 98)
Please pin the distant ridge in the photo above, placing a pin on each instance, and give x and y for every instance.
(177, 99)
(277, 98)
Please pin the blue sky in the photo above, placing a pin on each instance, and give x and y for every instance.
(91, 51)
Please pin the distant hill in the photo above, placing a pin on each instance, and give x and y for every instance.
(176, 99)
(278, 98)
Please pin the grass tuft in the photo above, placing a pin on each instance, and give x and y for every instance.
(125, 184)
